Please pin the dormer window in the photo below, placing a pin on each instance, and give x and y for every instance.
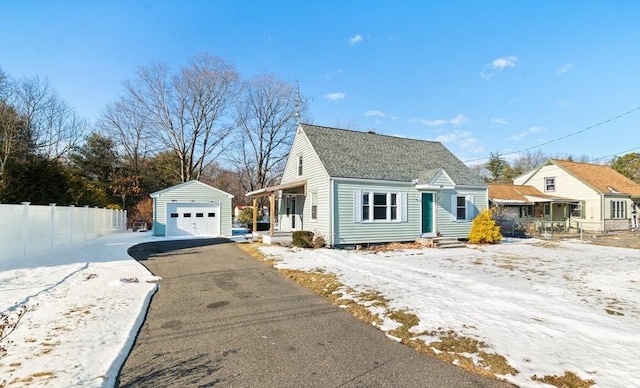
(300, 165)
(549, 184)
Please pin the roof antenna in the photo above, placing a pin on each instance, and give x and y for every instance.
(298, 101)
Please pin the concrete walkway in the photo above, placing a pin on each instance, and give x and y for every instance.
(223, 318)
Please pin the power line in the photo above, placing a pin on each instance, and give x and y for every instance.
(563, 137)
(614, 154)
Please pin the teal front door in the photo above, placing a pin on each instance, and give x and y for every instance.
(427, 212)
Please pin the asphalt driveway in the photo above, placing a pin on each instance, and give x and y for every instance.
(222, 318)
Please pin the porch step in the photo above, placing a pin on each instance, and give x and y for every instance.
(441, 242)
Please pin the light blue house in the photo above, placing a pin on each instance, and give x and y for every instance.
(191, 208)
(356, 187)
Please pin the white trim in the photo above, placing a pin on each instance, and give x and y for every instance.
(401, 210)
(429, 186)
(198, 205)
(403, 206)
(157, 194)
(437, 176)
(357, 206)
(373, 181)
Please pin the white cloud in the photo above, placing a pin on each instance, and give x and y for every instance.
(374, 113)
(462, 138)
(497, 65)
(336, 74)
(458, 120)
(530, 131)
(565, 68)
(377, 113)
(335, 96)
(430, 123)
(498, 122)
(354, 40)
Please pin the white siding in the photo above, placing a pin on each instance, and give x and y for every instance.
(193, 191)
(317, 181)
(567, 186)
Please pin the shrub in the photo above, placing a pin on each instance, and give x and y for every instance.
(246, 216)
(484, 229)
(302, 238)
(319, 242)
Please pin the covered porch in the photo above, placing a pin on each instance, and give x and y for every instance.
(275, 194)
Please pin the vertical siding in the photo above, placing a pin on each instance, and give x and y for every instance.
(191, 192)
(317, 181)
(348, 232)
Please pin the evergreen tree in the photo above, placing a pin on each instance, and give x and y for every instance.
(628, 165)
(497, 167)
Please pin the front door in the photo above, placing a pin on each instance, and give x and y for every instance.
(293, 212)
(427, 212)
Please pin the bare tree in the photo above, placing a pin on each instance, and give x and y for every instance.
(125, 122)
(15, 141)
(54, 125)
(265, 115)
(529, 160)
(186, 110)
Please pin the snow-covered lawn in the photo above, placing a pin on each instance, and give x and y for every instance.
(85, 302)
(547, 307)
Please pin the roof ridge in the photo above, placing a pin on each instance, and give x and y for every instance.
(574, 162)
(368, 132)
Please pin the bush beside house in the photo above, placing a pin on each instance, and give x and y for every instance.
(484, 229)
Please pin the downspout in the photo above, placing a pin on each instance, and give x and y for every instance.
(331, 233)
(602, 213)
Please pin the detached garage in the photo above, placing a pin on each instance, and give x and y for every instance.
(191, 209)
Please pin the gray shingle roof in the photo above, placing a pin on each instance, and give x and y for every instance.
(353, 154)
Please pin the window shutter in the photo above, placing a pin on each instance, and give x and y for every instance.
(357, 206)
(469, 208)
(454, 208)
(624, 209)
(404, 212)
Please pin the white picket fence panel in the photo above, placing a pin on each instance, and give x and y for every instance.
(27, 228)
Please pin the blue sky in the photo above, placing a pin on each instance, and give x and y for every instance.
(480, 76)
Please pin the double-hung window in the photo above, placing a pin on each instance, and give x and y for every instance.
(550, 184)
(299, 165)
(577, 210)
(378, 206)
(618, 210)
(462, 208)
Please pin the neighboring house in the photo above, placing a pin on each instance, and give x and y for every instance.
(523, 209)
(605, 199)
(191, 209)
(524, 201)
(360, 187)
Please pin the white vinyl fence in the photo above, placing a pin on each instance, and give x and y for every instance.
(25, 229)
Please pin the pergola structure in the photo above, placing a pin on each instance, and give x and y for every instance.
(297, 187)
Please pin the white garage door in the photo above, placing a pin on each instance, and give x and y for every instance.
(193, 219)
